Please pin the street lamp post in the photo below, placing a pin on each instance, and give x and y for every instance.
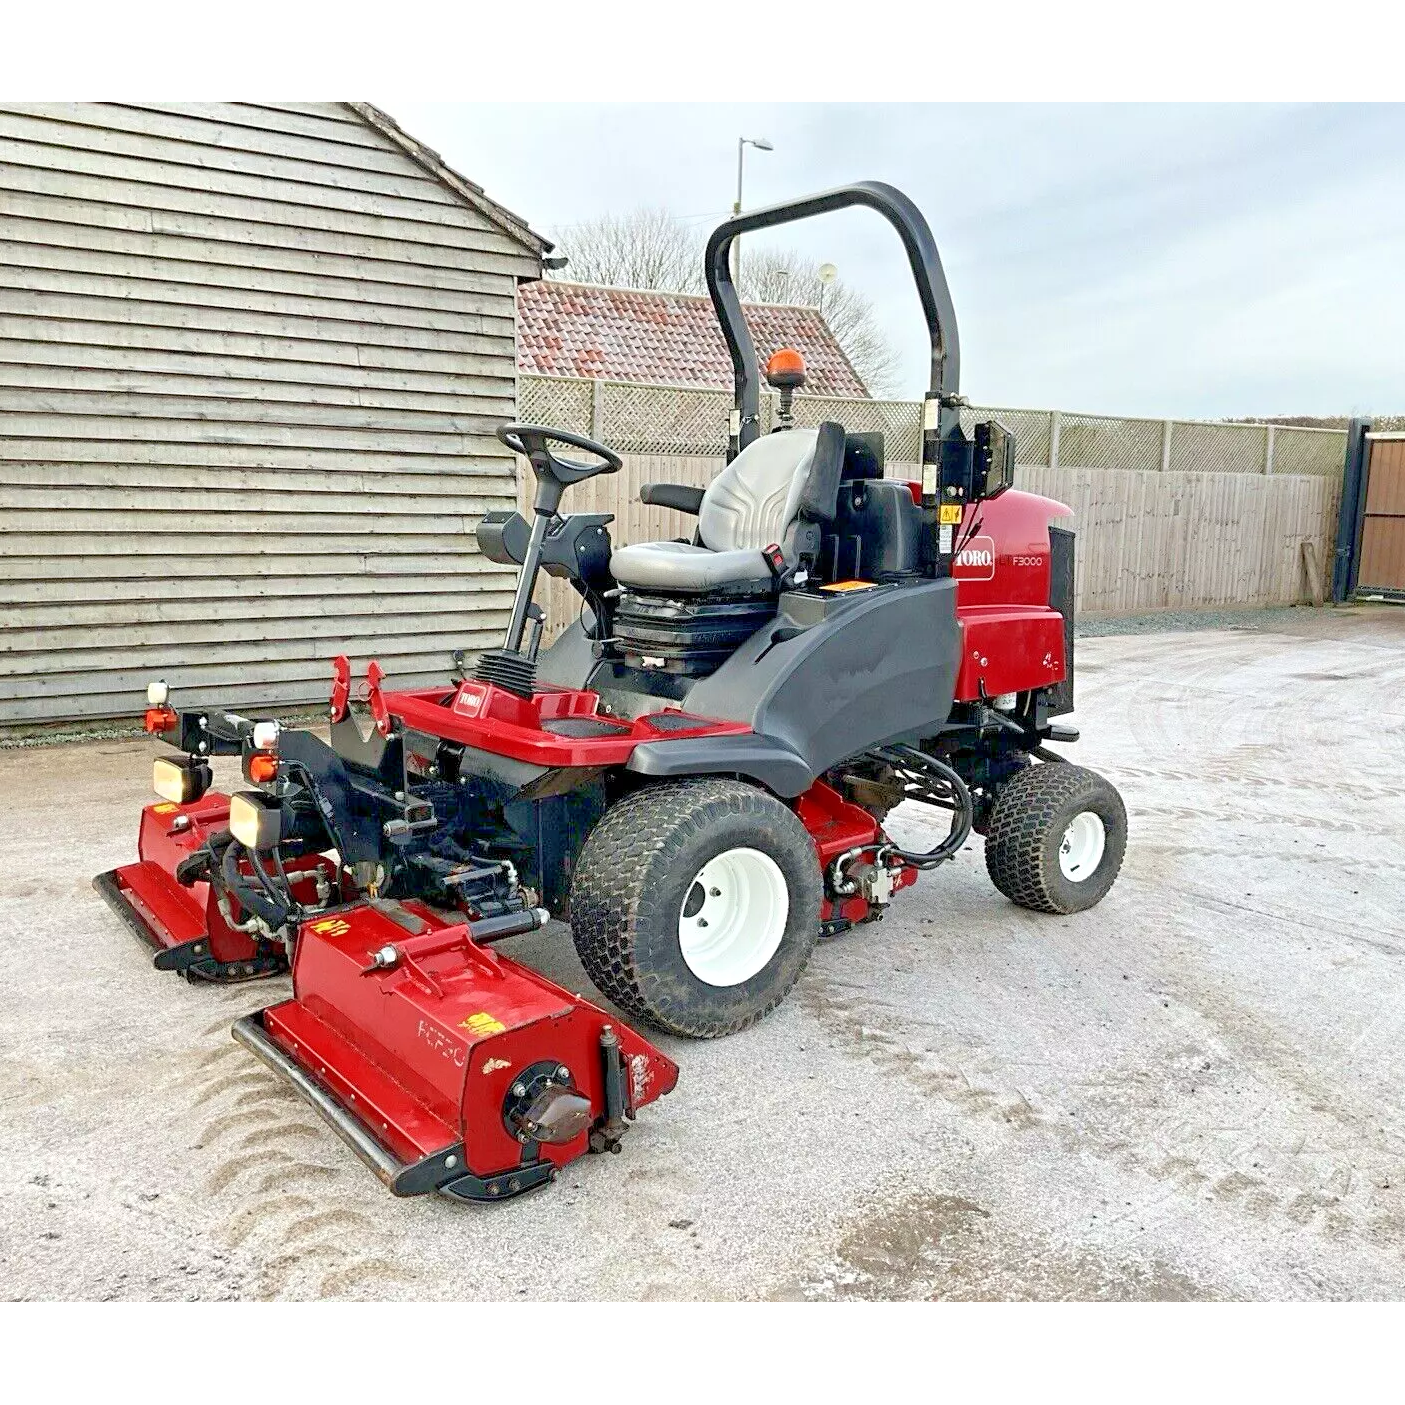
(761, 144)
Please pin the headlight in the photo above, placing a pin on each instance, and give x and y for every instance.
(256, 821)
(266, 736)
(180, 781)
(157, 693)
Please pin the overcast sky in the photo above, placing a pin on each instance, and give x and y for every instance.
(1158, 260)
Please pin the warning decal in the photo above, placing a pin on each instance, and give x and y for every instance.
(482, 1024)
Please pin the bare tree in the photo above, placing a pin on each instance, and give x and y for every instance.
(646, 248)
(770, 274)
(650, 248)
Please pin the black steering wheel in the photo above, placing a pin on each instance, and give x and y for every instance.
(531, 440)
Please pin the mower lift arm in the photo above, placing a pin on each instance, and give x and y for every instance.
(206, 733)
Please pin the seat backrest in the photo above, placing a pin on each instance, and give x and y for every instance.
(765, 490)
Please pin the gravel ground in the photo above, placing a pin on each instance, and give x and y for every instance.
(1165, 621)
(1191, 1091)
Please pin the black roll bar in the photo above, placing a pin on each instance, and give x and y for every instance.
(927, 271)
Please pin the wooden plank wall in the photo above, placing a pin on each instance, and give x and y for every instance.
(1146, 540)
(252, 358)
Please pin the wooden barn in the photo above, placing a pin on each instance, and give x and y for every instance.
(252, 357)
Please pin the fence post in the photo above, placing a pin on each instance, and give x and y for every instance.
(1055, 423)
(1268, 452)
(1166, 445)
(1352, 512)
(597, 409)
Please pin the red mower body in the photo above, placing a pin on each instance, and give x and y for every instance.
(538, 729)
(1012, 637)
(1012, 640)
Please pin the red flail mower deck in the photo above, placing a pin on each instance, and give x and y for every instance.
(444, 1065)
(185, 926)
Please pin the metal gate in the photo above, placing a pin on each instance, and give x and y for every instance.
(1381, 568)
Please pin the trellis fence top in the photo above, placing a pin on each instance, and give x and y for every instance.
(668, 419)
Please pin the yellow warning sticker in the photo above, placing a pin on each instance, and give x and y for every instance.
(482, 1024)
(165, 809)
(950, 514)
(332, 927)
(840, 587)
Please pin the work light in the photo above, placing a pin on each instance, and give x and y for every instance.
(255, 820)
(180, 781)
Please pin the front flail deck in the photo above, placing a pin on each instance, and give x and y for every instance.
(428, 1053)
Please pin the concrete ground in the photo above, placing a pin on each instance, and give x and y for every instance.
(1192, 1091)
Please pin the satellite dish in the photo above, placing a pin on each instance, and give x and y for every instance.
(827, 273)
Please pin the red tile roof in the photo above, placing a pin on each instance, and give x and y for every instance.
(579, 329)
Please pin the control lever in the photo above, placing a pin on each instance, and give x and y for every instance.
(536, 622)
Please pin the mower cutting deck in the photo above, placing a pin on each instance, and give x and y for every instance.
(696, 776)
(444, 1065)
(192, 927)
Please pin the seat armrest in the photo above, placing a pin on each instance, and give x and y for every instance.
(675, 495)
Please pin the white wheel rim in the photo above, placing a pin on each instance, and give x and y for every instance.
(1081, 849)
(733, 916)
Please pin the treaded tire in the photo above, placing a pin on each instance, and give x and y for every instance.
(1027, 827)
(636, 872)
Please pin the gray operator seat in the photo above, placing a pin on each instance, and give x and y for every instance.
(777, 491)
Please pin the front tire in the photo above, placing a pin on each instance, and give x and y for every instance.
(1056, 838)
(696, 904)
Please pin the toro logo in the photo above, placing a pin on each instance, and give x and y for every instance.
(975, 561)
(470, 700)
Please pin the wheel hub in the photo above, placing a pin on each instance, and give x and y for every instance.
(1082, 845)
(733, 916)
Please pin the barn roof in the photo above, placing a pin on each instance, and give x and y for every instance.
(464, 188)
(623, 334)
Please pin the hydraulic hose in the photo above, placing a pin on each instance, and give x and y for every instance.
(283, 898)
(296, 909)
(324, 812)
(262, 902)
(931, 782)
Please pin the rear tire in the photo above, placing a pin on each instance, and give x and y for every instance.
(1056, 838)
(696, 904)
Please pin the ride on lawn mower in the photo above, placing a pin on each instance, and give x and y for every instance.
(696, 775)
